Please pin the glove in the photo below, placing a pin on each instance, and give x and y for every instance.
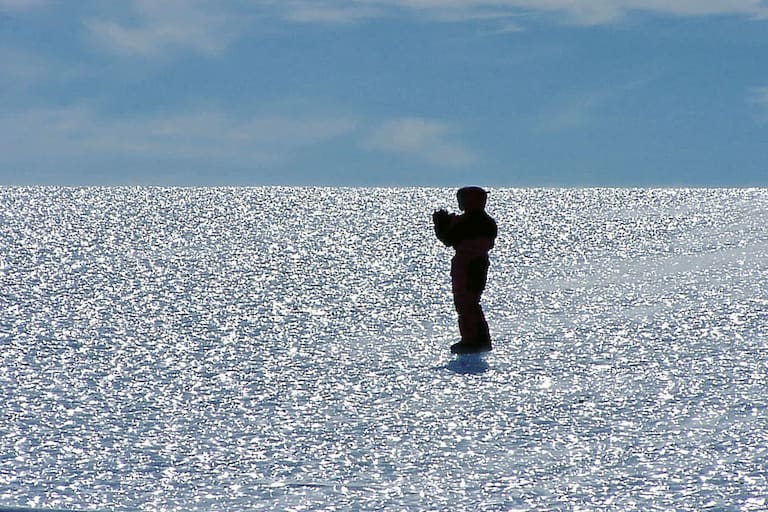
(439, 217)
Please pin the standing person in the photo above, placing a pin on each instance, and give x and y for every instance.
(472, 234)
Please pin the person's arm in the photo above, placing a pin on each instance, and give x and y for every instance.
(469, 227)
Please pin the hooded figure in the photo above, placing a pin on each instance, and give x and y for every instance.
(472, 234)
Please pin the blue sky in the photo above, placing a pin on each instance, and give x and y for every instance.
(384, 92)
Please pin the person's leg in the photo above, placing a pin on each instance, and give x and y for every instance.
(468, 282)
(477, 276)
(472, 324)
(483, 336)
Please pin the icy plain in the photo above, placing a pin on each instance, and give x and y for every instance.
(287, 349)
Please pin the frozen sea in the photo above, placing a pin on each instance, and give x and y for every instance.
(223, 349)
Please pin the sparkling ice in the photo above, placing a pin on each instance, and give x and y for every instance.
(287, 349)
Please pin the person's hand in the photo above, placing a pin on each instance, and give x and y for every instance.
(439, 216)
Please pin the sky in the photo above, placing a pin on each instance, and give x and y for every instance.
(516, 93)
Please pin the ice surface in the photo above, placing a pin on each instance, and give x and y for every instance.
(287, 349)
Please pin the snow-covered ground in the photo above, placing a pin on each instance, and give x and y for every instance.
(287, 349)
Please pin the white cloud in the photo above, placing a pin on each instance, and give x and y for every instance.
(580, 12)
(328, 12)
(18, 5)
(156, 28)
(750, 8)
(508, 28)
(160, 27)
(19, 68)
(571, 113)
(426, 140)
(67, 141)
(60, 134)
(759, 96)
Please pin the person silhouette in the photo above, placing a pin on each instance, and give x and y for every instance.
(472, 234)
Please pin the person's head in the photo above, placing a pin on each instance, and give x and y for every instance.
(471, 198)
